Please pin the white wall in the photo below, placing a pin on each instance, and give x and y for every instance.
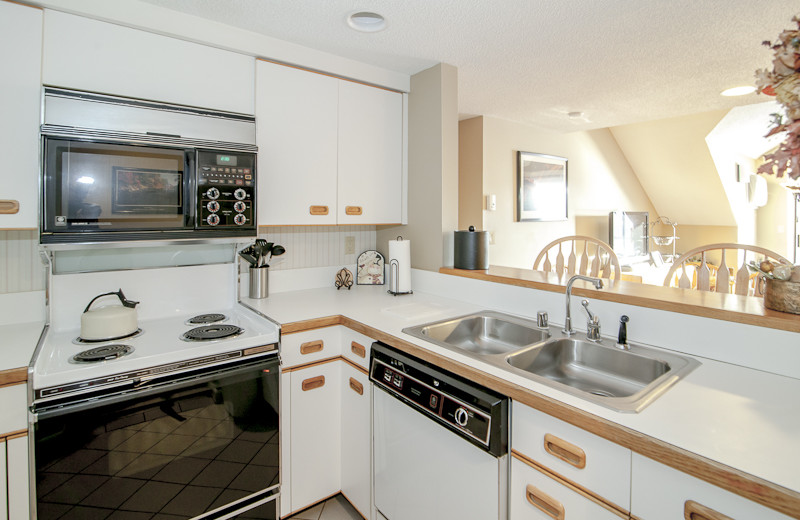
(599, 180)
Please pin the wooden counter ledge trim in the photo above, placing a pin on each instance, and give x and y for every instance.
(748, 486)
(14, 376)
(720, 306)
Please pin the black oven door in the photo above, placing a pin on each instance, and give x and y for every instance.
(199, 444)
(92, 187)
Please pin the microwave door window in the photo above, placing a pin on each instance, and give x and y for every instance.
(112, 187)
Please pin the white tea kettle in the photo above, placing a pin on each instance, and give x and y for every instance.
(110, 321)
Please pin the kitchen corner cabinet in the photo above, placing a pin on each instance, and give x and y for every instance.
(330, 150)
(20, 83)
(325, 418)
(660, 492)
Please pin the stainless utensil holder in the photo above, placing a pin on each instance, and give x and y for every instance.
(259, 282)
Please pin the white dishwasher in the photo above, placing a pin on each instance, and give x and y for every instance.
(440, 442)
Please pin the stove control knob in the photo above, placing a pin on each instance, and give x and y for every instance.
(462, 416)
(212, 193)
(239, 206)
(240, 219)
(240, 194)
(213, 206)
(212, 219)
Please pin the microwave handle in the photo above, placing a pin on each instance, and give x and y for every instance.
(190, 196)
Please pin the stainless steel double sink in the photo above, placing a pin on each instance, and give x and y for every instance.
(624, 380)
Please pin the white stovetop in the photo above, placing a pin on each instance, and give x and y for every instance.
(158, 344)
(723, 412)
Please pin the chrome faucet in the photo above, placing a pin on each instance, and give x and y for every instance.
(598, 283)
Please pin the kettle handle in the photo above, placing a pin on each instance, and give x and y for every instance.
(119, 294)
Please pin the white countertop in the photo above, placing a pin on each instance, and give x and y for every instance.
(19, 342)
(726, 413)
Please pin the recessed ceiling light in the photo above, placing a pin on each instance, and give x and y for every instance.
(575, 115)
(366, 21)
(738, 91)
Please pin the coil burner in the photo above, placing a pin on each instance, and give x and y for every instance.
(80, 341)
(211, 332)
(205, 319)
(104, 353)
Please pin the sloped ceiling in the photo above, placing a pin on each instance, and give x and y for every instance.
(675, 168)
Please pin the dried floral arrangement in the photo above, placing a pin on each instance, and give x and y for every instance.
(783, 82)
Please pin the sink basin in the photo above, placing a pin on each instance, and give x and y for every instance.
(484, 333)
(625, 380)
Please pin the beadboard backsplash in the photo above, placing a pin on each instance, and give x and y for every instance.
(318, 246)
(21, 268)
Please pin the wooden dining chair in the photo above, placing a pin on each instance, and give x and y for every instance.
(586, 256)
(743, 282)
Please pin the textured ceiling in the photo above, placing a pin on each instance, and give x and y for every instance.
(533, 61)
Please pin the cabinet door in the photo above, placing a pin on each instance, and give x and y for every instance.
(660, 492)
(356, 347)
(18, 492)
(91, 55)
(20, 83)
(315, 427)
(356, 447)
(370, 154)
(296, 132)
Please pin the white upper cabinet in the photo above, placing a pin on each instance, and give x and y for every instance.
(370, 154)
(20, 85)
(296, 133)
(86, 54)
(330, 150)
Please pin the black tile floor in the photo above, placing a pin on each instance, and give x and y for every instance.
(161, 468)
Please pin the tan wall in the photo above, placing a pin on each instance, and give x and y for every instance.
(600, 180)
(775, 220)
(432, 169)
(470, 173)
(690, 237)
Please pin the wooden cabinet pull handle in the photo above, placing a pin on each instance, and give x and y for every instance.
(356, 386)
(353, 210)
(565, 451)
(312, 383)
(9, 206)
(309, 347)
(358, 349)
(318, 210)
(694, 511)
(544, 502)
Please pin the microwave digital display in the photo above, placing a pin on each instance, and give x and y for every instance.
(226, 160)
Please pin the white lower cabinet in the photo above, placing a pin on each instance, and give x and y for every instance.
(534, 495)
(17, 469)
(663, 493)
(315, 433)
(356, 445)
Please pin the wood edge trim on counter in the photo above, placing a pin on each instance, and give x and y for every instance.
(736, 481)
(597, 499)
(329, 75)
(727, 307)
(14, 376)
(316, 323)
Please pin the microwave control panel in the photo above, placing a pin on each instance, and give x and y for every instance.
(226, 190)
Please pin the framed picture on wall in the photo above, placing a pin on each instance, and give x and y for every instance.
(541, 187)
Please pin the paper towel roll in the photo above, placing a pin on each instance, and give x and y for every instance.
(400, 250)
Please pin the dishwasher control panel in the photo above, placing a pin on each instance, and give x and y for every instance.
(466, 409)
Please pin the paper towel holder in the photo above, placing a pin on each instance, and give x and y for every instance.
(394, 276)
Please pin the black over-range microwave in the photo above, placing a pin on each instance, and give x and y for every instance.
(117, 169)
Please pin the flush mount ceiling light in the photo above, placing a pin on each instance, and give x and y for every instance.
(575, 115)
(738, 91)
(366, 21)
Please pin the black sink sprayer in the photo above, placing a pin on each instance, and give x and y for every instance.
(622, 337)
